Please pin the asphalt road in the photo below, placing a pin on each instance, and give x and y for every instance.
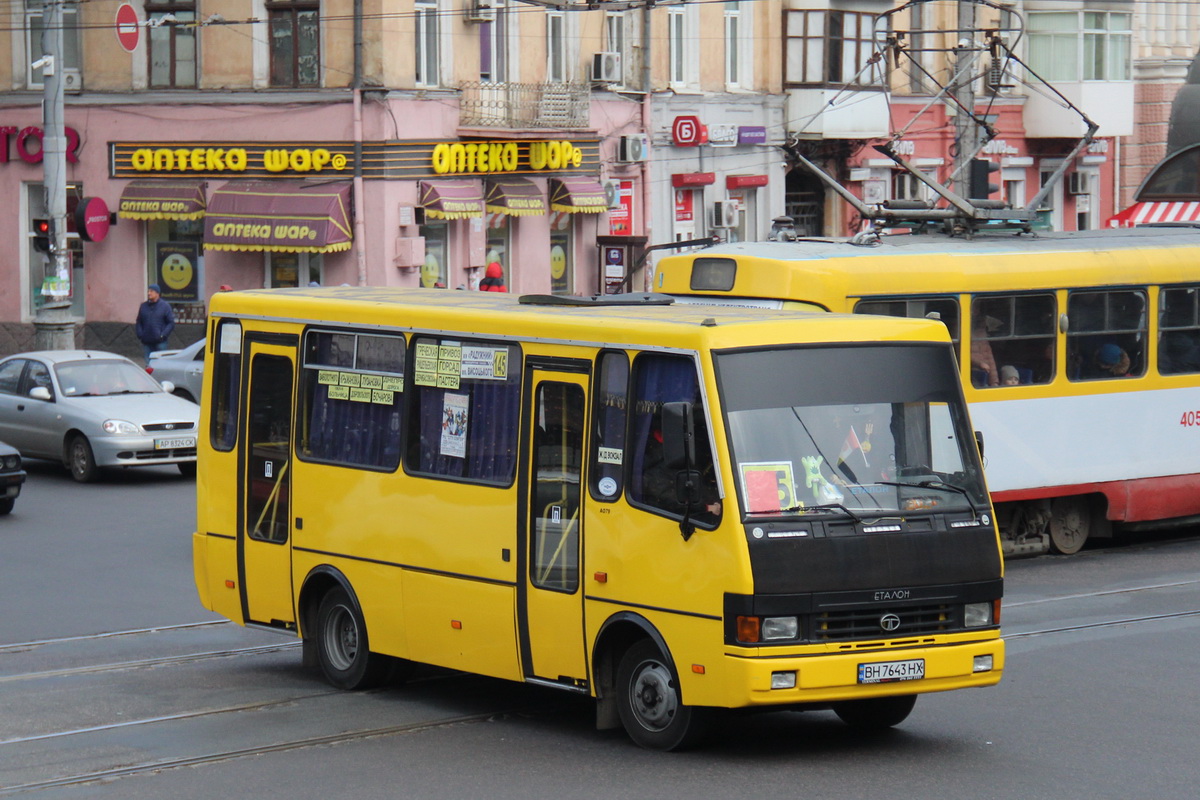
(115, 683)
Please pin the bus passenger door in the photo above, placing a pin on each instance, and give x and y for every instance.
(551, 611)
(265, 520)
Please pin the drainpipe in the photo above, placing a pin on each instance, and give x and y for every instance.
(360, 250)
(647, 96)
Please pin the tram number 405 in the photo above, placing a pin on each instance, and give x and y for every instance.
(1190, 419)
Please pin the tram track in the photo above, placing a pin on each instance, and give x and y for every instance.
(141, 663)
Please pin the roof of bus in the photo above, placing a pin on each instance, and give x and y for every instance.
(503, 315)
(829, 269)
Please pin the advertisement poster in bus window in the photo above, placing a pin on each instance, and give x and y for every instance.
(769, 486)
(454, 425)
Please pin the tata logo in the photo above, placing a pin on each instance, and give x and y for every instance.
(889, 622)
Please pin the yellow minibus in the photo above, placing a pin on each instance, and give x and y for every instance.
(672, 509)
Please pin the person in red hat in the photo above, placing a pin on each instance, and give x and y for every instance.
(493, 279)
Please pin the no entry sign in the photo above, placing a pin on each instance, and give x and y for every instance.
(129, 27)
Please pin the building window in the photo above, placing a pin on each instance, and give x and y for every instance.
(498, 234)
(614, 41)
(1056, 52)
(556, 47)
(831, 47)
(295, 44)
(437, 236)
(34, 27)
(733, 44)
(493, 49)
(677, 45)
(172, 46)
(426, 49)
(289, 270)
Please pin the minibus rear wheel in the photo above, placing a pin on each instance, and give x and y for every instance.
(650, 704)
(875, 714)
(343, 650)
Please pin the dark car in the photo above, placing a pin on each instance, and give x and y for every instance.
(11, 477)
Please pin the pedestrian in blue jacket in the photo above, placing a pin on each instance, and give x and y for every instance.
(155, 321)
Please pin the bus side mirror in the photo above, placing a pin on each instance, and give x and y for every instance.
(679, 436)
(979, 443)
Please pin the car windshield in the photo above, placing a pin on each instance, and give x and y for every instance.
(102, 378)
(864, 431)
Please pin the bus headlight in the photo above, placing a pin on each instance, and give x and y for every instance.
(780, 628)
(977, 615)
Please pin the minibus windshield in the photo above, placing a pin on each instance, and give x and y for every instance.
(862, 431)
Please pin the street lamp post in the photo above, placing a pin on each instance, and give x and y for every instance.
(54, 328)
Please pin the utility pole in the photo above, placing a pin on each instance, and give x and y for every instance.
(54, 328)
(966, 135)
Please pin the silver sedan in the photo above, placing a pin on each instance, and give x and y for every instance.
(92, 409)
(183, 368)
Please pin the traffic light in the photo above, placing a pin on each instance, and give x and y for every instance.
(978, 187)
(41, 235)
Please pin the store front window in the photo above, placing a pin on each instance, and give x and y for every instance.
(434, 271)
(287, 270)
(498, 233)
(562, 266)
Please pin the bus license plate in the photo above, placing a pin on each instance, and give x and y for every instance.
(889, 671)
(175, 443)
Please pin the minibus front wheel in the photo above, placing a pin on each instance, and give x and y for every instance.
(650, 704)
(343, 650)
(877, 713)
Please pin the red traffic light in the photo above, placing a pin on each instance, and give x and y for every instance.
(41, 235)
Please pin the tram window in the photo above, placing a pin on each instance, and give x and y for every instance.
(1012, 339)
(942, 308)
(608, 445)
(1179, 330)
(659, 379)
(464, 410)
(351, 391)
(1107, 334)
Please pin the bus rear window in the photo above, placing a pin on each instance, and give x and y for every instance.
(464, 411)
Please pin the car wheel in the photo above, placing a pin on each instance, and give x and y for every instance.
(650, 704)
(343, 650)
(877, 713)
(80, 460)
(187, 468)
(6, 504)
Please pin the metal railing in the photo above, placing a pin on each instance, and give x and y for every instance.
(487, 104)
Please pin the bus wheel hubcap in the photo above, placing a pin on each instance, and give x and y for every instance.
(653, 698)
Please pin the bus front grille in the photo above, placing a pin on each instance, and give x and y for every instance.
(890, 622)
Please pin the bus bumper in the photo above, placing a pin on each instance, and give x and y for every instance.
(830, 678)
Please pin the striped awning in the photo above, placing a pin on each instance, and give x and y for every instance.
(578, 195)
(452, 199)
(514, 196)
(1156, 211)
(162, 200)
(279, 216)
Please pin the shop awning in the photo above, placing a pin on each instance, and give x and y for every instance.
(279, 216)
(578, 195)
(452, 199)
(514, 196)
(162, 200)
(1151, 212)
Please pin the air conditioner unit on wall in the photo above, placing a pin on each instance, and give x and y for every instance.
(479, 11)
(72, 81)
(606, 67)
(632, 148)
(612, 194)
(726, 214)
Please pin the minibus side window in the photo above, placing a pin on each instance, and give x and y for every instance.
(351, 390)
(1013, 339)
(940, 308)
(608, 443)
(659, 379)
(226, 384)
(463, 415)
(1106, 337)
(1179, 330)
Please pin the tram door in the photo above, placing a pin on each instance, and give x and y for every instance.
(265, 528)
(553, 610)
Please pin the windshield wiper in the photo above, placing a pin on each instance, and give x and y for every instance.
(937, 483)
(822, 507)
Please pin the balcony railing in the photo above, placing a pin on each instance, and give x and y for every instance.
(487, 104)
